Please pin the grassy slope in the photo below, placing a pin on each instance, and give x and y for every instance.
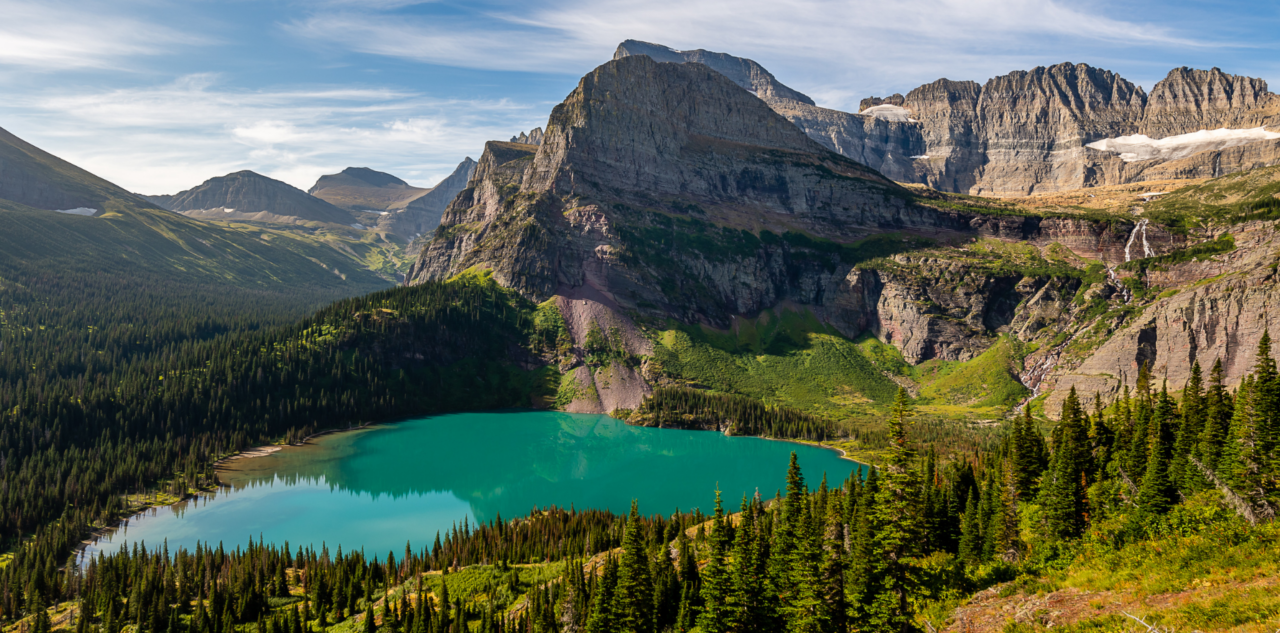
(784, 356)
(1199, 568)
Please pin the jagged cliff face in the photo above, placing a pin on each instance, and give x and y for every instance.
(1025, 132)
(1188, 100)
(666, 190)
(1034, 125)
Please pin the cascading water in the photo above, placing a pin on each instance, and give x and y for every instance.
(1146, 248)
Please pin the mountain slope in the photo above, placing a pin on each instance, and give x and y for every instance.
(667, 192)
(130, 236)
(245, 195)
(421, 215)
(34, 178)
(363, 189)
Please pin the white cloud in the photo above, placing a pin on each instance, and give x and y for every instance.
(836, 49)
(60, 36)
(168, 138)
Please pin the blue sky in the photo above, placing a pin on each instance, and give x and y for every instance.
(160, 95)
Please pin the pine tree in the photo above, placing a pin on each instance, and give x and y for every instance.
(970, 532)
(834, 566)
(1158, 491)
(1028, 454)
(604, 618)
(896, 519)
(717, 587)
(1062, 494)
(1218, 411)
(635, 586)
(1191, 428)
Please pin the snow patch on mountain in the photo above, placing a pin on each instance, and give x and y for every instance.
(889, 113)
(1142, 147)
(85, 211)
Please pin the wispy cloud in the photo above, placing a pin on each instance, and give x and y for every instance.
(821, 45)
(61, 36)
(172, 137)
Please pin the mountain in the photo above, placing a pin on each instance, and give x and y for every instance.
(421, 216)
(131, 238)
(245, 195)
(33, 178)
(667, 192)
(688, 220)
(363, 189)
(1048, 129)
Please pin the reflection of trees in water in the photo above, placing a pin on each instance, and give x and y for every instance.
(498, 462)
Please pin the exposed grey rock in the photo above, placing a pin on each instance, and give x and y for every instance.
(1024, 132)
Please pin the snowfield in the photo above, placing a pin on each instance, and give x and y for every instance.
(889, 113)
(1143, 147)
(86, 211)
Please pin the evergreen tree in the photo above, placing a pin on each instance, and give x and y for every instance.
(634, 602)
(604, 618)
(1029, 454)
(717, 586)
(1062, 494)
(1218, 412)
(970, 532)
(1158, 491)
(1181, 472)
(897, 535)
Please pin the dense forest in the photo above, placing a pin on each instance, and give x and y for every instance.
(153, 403)
(863, 555)
(169, 402)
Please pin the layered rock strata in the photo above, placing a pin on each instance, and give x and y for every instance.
(1021, 133)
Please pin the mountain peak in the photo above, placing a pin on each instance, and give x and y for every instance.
(744, 72)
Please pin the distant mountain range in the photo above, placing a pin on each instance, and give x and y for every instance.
(59, 217)
(357, 197)
(245, 195)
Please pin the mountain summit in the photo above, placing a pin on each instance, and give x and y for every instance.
(246, 195)
(1051, 128)
(363, 189)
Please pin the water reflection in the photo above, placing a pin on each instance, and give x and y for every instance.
(379, 487)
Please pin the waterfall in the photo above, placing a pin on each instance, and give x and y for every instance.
(1146, 249)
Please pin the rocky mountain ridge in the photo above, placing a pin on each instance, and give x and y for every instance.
(1022, 133)
(664, 191)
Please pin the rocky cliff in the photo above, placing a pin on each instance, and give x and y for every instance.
(245, 195)
(1025, 132)
(666, 190)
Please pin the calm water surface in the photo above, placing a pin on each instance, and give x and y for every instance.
(378, 488)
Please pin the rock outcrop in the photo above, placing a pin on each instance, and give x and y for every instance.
(1188, 100)
(534, 137)
(1021, 133)
(1215, 309)
(245, 195)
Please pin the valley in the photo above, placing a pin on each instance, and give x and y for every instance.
(1035, 312)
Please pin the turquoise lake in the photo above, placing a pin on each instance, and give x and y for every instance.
(377, 488)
